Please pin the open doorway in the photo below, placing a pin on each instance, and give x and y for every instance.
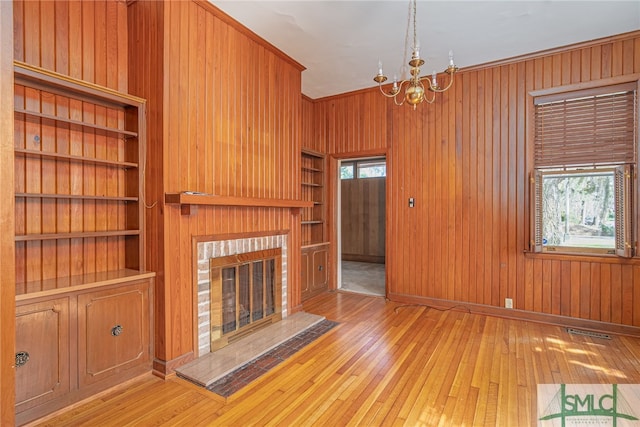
(361, 231)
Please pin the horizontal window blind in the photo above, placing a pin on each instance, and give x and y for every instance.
(586, 128)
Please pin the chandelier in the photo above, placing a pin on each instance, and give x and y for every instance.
(415, 92)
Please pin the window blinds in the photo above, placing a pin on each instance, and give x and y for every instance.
(586, 128)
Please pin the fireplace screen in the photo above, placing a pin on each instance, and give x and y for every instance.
(246, 293)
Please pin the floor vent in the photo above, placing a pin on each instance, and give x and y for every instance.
(588, 333)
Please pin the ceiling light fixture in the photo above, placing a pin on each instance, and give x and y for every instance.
(414, 94)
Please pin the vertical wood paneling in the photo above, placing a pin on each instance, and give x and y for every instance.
(7, 213)
(225, 118)
(465, 158)
(363, 219)
(85, 40)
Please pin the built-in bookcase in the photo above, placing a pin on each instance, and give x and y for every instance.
(314, 227)
(79, 161)
(313, 189)
(83, 298)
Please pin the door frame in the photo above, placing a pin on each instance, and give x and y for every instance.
(335, 189)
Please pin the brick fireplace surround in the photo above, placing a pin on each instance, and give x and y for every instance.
(207, 249)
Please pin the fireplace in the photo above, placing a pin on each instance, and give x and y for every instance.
(246, 294)
(210, 251)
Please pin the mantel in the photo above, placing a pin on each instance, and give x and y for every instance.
(187, 199)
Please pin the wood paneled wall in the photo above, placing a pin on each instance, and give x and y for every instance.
(86, 40)
(351, 124)
(7, 217)
(309, 139)
(362, 221)
(225, 118)
(464, 160)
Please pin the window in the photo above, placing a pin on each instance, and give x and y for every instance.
(370, 168)
(585, 151)
(346, 171)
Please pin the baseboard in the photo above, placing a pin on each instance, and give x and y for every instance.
(363, 258)
(512, 313)
(165, 369)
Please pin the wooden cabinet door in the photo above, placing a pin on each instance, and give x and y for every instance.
(319, 270)
(42, 352)
(314, 271)
(305, 284)
(113, 331)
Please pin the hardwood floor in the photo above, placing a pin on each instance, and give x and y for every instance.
(386, 364)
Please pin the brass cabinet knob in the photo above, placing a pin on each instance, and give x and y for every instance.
(22, 357)
(116, 330)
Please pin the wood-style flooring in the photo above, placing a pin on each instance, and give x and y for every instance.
(385, 364)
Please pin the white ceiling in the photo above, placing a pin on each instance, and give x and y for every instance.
(340, 42)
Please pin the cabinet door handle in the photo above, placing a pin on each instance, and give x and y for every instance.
(116, 330)
(320, 268)
(22, 357)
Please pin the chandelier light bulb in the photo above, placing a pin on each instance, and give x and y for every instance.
(434, 82)
(451, 59)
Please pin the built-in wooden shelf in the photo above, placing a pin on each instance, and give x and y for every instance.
(311, 222)
(309, 245)
(105, 129)
(77, 196)
(76, 235)
(311, 169)
(311, 184)
(70, 157)
(188, 199)
(56, 286)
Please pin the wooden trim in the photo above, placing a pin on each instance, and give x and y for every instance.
(582, 257)
(7, 213)
(376, 259)
(592, 84)
(312, 152)
(212, 200)
(73, 158)
(166, 368)
(512, 313)
(247, 32)
(552, 51)
(361, 155)
(314, 245)
(64, 285)
(51, 80)
(234, 236)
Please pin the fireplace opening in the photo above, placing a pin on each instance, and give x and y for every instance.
(246, 294)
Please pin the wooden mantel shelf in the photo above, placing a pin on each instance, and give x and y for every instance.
(187, 199)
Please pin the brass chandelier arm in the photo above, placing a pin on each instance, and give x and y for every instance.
(394, 94)
(438, 89)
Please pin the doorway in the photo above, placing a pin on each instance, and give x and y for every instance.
(361, 225)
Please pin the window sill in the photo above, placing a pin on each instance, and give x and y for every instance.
(582, 257)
